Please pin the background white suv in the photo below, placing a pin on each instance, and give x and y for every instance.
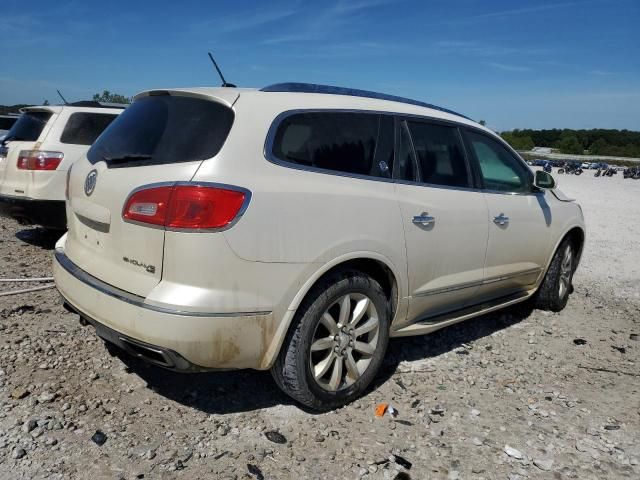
(6, 122)
(296, 228)
(37, 152)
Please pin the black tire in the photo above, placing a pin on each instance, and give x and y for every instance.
(292, 369)
(550, 296)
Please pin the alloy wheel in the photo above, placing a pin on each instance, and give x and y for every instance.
(344, 342)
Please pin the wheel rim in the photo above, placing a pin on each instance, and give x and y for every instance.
(344, 342)
(565, 272)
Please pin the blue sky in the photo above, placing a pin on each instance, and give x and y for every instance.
(517, 64)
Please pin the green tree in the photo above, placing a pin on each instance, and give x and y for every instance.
(518, 142)
(570, 144)
(46, 102)
(108, 97)
(599, 147)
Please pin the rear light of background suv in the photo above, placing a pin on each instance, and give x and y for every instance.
(186, 206)
(39, 160)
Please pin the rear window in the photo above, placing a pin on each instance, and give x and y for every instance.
(348, 142)
(163, 129)
(29, 126)
(7, 122)
(83, 128)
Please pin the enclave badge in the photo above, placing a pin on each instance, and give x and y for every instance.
(90, 182)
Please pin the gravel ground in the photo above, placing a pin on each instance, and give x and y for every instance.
(512, 395)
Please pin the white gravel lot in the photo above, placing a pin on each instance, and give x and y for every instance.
(515, 395)
(611, 208)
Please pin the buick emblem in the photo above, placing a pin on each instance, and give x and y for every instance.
(90, 182)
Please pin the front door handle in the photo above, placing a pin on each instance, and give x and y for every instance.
(501, 219)
(424, 219)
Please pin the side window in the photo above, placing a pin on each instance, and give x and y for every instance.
(499, 169)
(84, 128)
(440, 155)
(405, 161)
(349, 142)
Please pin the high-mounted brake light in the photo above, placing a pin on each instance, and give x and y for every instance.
(185, 206)
(39, 160)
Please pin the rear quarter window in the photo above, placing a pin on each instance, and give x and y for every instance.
(347, 142)
(29, 126)
(83, 128)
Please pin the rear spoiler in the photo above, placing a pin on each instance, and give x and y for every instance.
(42, 108)
(225, 96)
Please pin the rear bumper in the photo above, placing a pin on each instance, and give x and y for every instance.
(179, 340)
(160, 356)
(47, 213)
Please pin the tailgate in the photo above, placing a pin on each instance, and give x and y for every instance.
(161, 138)
(122, 254)
(13, 181)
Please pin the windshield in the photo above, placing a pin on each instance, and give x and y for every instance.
(29, 126)
(162, 129)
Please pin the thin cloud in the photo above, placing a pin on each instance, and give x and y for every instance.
(607, 95)
(509, 68)
(518, 11)
(484, 49)
(601, 73)
(239, 22)
(321, 25)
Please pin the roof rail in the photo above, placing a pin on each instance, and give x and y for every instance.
(354, 92)
(94, 104)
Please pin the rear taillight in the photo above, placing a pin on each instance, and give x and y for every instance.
(186, 206)
(39, 160)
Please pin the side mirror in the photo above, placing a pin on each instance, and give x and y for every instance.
(543, 180)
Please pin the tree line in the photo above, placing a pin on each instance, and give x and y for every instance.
(618, 143)
(106, 96)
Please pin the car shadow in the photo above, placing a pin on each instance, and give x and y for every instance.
(248, 390)
(40, 237)
(424, 347)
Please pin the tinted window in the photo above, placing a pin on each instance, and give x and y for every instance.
(84, 128)
(500, 170)
(359, 143)
(405, 168)
(163, 129)
(29, 126)
(440, 155)
(7, 122)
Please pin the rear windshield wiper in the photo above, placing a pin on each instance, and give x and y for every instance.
(12, 137)
(126, 157)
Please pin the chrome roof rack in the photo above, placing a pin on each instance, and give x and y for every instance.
(354, 92)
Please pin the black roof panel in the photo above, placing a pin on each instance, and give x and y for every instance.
(94, 104)
(354, 92)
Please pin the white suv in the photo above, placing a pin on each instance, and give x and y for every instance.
(37, 152)
(296, 228)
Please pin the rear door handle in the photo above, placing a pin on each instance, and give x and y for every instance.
(501, 219)
(424, 219)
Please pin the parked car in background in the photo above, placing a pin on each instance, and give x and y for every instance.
(38, 151)
(6, 122)
(296, 228)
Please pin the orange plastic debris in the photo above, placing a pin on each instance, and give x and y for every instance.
(381, 409)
